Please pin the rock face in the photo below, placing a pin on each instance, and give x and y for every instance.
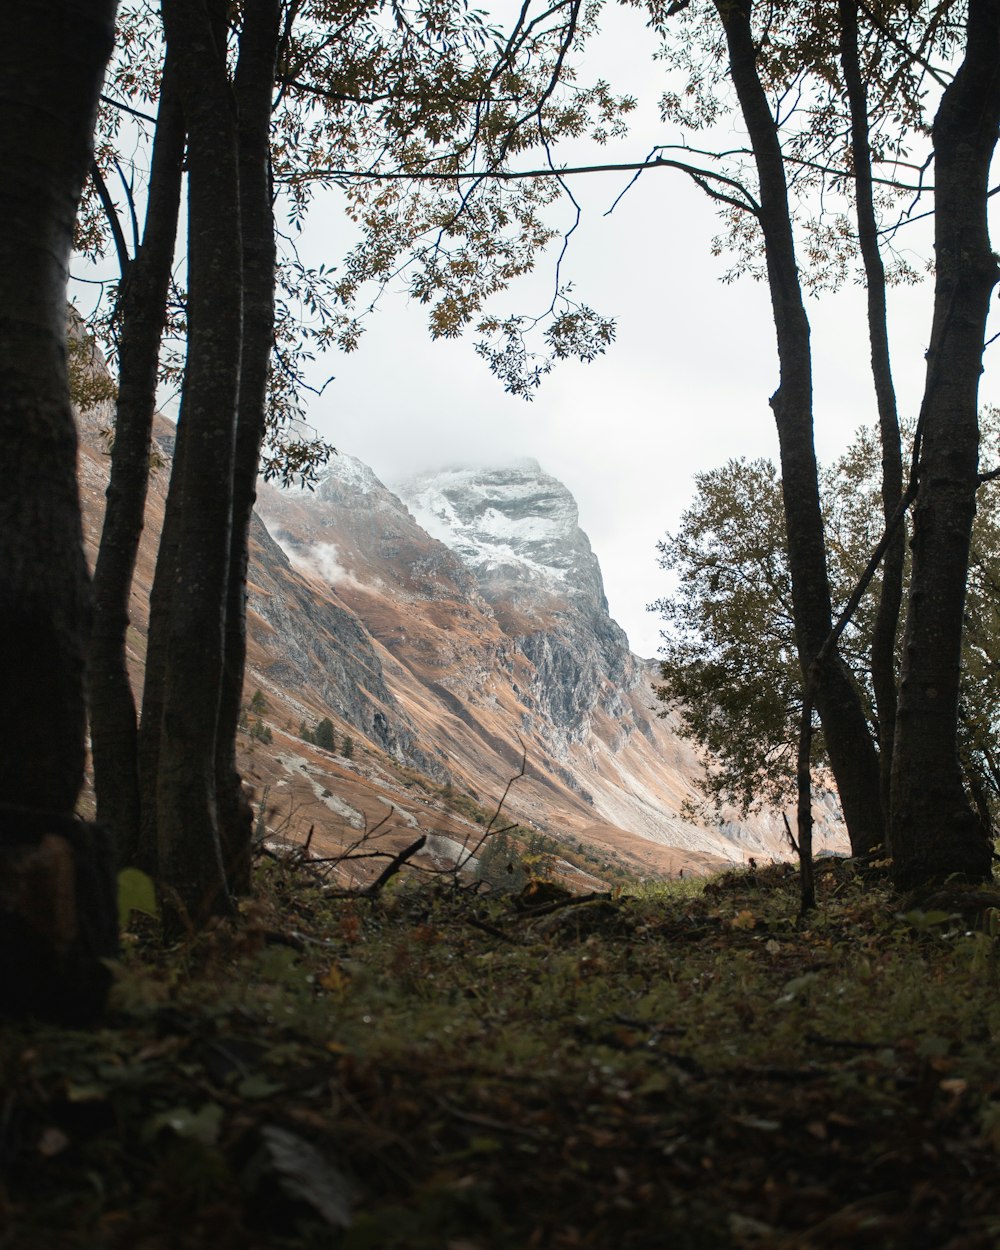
(458, 628)
(461, 625)
(517, 530)
(324, 647)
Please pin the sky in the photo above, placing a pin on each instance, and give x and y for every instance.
(684, 387)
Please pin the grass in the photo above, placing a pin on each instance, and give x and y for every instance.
(669, 1067)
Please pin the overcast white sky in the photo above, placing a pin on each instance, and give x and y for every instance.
(684, 387)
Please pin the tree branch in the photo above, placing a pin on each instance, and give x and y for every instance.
(111, 213)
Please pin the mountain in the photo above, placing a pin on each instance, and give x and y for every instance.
(490, 645)
(517, 530)
(457, 631)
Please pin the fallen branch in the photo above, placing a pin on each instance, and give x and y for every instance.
(485, 927)
(529, 913)
(392, 868)
(817, 1039)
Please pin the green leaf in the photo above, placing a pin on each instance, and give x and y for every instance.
(136, 892)
(201, 1125)
(257, 1086)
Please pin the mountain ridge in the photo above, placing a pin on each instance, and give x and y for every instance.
(513, 659)
(493, 684)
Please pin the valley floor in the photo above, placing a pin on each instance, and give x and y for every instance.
(434, 1069)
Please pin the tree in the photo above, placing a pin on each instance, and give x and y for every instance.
(789, 53)
(729, 665)
(253, 88)
(196, 823)
(52, 60)
(323, 735)
(195, 827)
(139, 316)
(935, 830)
(852, 754)
(347, 747)
(883, 639)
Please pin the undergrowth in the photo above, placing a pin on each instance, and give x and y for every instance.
(437, 1069)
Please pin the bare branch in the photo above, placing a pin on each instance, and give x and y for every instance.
(111, 213)
(392, 868)
(125, 108)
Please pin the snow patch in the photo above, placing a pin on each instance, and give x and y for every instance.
(337, 805)
(518, 519)
(447, 852)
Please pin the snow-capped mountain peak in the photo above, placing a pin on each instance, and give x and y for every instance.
(509, 525)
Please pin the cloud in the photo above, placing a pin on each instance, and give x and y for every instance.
(322, 560)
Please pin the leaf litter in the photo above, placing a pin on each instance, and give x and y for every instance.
(679, 1066)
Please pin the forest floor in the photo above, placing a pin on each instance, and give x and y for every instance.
(437, 1070)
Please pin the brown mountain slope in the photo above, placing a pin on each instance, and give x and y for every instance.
(489, 668)
(449, 682)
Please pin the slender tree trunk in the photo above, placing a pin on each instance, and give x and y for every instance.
(936, 830)
(52, 59)
(848, 741)
(190, 860)
(883, 648)
(151, 724)
(254, 85)
(141, 314)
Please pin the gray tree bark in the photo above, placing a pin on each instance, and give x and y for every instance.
(141, 317)
(849, 744)
(54, 909)
(935, 829)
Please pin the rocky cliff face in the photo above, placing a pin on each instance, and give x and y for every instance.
(517, 530)
(465, 636)
(323, 646)
(473, 630)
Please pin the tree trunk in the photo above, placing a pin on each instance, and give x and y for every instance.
(54, 919)
(936, 830)
(848, 741)
(151, 723)
(190, 863)
(883, 647)
(254, 85)
(141, 315)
